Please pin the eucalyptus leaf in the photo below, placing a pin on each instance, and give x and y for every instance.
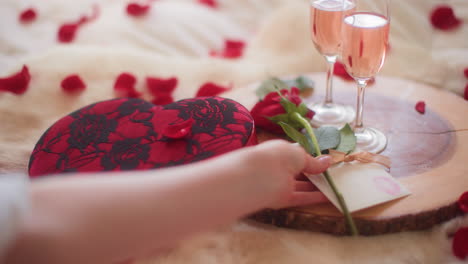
(270, 85)
(347, 139)
(328, 137)
(296, 136)
(304, 84)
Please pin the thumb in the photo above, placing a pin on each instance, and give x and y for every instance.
(317, 165)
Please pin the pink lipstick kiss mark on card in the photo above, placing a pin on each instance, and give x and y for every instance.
(386, 185)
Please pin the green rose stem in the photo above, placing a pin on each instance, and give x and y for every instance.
(349, 220)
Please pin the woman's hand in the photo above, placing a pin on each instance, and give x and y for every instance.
(275, 167)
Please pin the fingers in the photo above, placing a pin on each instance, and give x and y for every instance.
(317, 165)
(295, 157)
(304, 186)
(306, 198)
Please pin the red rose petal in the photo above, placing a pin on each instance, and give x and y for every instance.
(180, 130)
(124, 85)
(310, 114)
(465, 72)
(136, 10)
(211, 89)
(234, 44)
(67, 31)
(73, 84)
(210, 3)
(421, 107)
(17, 83)
(163, 100)
(158, 86)
(28, 15)
(460, 243)
(465, 94)
(232, 49)
(443, 18)
(341, 72)
(463, 202)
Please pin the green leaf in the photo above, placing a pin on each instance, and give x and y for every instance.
(296, 136)
(302, 109)
(279, 118)
(288, 106)
(270, 85)
(328, 137)
(347, 139)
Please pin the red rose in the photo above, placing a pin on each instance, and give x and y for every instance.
(270, 107)
(460, 243)
(463, 202)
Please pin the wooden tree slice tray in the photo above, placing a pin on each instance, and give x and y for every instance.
(429, 155)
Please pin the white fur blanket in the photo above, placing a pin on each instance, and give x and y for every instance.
(175, 40)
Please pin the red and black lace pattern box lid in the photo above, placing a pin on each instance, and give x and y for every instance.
(128, 134)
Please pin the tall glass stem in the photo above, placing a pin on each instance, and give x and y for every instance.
(330, 68)
(361, 85)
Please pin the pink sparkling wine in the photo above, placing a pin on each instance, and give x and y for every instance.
(365, 43)
(326, 19)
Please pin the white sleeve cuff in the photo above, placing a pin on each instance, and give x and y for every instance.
(14, 202)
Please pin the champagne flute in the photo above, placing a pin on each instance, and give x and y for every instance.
(365, 41)
(326, 19)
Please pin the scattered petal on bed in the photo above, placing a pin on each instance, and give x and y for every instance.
(466, 72)
(158, 86)
(232, 49)
(73, 84)
(443, 18)
(421, 107)
(460, 243)
(163, 100)
(124, 86)
(67, 31)
(28, 15)
(210, 3)
(16, 83)
(341, 72)
(211, 89)
(136, 9)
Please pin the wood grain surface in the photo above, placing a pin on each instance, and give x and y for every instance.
(429, 155)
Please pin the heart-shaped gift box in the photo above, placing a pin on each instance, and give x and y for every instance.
(127, 134)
